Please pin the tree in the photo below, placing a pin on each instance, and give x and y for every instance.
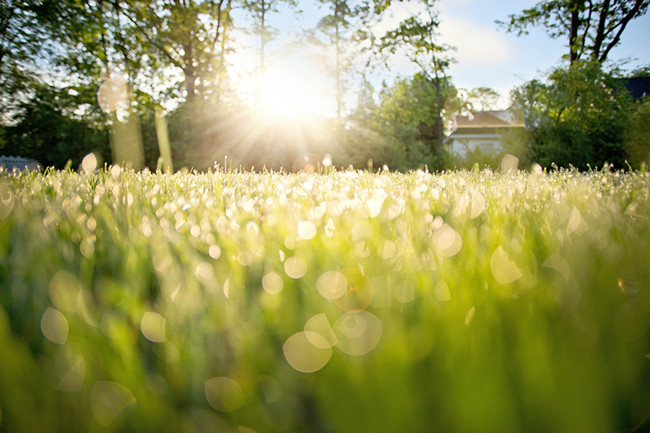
(482, 98)
(189, 36)
(259, 11)
(336, 27)
(592, 28)
(22, 39)
(637, 136)
(399, 129)
(417, 37)
(41, 129)
(577, 118)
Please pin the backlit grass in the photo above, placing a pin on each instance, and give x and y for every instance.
(338, 302)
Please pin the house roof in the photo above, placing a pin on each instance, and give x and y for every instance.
(481, 119)
(639, 87)
(15, 162)
(486, 122)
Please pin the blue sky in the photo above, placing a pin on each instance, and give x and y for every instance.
(488, 56)
(485, 54)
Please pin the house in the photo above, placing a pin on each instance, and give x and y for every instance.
(638, 87)
(482, 131)
(9, 163)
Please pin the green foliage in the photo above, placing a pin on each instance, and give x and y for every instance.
(402, 129)
(417, 38)
(637, 136)
(516, 142)
(466, 301)
(43, 130)
(577, 118)
(482, 98)
(21, 39)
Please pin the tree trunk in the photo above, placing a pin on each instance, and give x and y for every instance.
(438, 112)
(338, 62)
(189, 71)
(600, 31)
(573, 33)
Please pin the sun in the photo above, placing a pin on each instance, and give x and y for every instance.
(292, 89)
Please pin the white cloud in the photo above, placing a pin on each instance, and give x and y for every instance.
(477, 44)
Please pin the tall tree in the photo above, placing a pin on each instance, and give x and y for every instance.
(482, 98)
(187, 35)
(22, 39)
(336, 27)
(592, 28)
(399, 128)
(259, 11)
(417, 37)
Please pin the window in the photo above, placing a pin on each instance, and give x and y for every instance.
(486, 146)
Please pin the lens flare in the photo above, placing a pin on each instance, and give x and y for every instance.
(54, 326)
(504, 270)
(152, 326)
(108, 400)
(303, 355)
(112, 94)
(358, 333)
(358, 293)
(295, 267)
(319, 325)
(224, 394)
(332, 285)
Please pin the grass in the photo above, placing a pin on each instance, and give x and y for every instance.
(341, 302)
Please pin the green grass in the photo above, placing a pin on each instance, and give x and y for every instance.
(465, 302)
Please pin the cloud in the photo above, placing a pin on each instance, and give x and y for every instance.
(477, 44)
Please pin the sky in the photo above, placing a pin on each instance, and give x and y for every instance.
(486, 55)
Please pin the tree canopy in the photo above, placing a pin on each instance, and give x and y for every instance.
(591, 28)
(102, 72)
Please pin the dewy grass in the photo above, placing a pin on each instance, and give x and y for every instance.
(340, 302)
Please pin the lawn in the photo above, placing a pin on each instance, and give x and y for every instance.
(472, 301)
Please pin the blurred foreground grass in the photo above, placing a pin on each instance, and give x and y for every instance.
(344, 302)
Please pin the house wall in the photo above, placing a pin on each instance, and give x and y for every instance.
(461, 144)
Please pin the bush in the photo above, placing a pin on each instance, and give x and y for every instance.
(637, 136)
(577, 118)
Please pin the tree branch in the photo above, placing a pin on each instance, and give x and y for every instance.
(623, 23)
(162, 49)
(600, 32)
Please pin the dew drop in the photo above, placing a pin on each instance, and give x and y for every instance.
(54, 326)
(152, 326)
(447, 240)
(319, 325)
(89, 163)
(303, 355)
(295, 267)
(214, 251)
(358, 332)
(108, 400)
(332, 285)
(441, 291)
(272, 283)
(504, 270)
(306, 230)
(558, 263)
(224, 394)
